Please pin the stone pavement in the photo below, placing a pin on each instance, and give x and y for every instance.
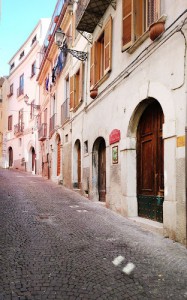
(56, 244)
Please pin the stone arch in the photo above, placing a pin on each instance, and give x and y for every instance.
(77, 164)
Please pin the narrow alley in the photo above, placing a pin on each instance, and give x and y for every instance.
(56, 244)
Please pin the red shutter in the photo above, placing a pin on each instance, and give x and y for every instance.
(127, 23)
(108, 46)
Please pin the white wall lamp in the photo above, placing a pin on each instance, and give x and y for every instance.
(26, 100)
(60, 41)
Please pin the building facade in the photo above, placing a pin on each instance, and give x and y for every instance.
(112, 126)
(23, 102)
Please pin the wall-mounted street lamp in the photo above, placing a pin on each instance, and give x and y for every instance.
(26, 100)
(60, 41)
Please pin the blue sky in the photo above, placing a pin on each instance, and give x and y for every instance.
(18, 19)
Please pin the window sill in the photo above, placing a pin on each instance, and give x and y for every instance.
(142, 38)
(101, 81)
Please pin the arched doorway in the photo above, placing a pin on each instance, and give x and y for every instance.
(33, 160)
(99, 169)
(10, 156)
(77, 165)
(150, 163)
(58, 141)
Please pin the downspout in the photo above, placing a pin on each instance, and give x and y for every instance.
(185, 76)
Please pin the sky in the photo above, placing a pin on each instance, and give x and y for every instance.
(18, 18)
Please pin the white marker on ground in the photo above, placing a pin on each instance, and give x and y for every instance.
(128, 268)
(118, 260)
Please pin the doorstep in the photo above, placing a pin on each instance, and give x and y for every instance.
(149, 225)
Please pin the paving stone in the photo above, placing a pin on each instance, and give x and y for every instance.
(48, 250)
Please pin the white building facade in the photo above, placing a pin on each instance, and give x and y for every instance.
(23, 102)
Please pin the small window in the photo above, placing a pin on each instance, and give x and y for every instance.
(10, 122)
(12, 66)
(33, 69)
(66, 138)
(33, 40)
(21, 55)
(11, 89)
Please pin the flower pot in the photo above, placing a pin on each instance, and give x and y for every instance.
(156, 29)
(49, 37)
(93, 93)
(56, 19)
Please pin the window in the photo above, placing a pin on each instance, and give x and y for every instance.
(12, 66)
(33, 69)
(137, 17)
(20, 90)
(33, 40)
(10, 122)
(76, 87)
(11, 89)
(21, 55)
(101, 55)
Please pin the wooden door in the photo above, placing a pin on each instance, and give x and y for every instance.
(10, 157)
(58, 157)
(33, 159)
(79, 165)
(150, 163)
(102, 171)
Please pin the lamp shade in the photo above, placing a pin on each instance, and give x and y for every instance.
(26, 98)
(59, 37)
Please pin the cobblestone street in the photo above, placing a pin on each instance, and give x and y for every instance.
(56, 244)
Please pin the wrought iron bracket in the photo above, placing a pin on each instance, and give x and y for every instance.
(88, 36)
(80, 55)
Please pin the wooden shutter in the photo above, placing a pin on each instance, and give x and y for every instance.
(153, 11)
(92, 66)
(138, 17)
(108, 46)
(127, 23)
(81, 78)
(72, 91)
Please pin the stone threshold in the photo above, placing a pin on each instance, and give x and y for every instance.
(149, 225)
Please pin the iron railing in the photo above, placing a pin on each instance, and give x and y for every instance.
(65, 111)
(52, 124)
(42, 132)
(19, 128)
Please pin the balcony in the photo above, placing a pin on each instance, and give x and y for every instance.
(90, 12)
(18, 129)
(20, 91)
(65, 111)
(42, 132)
(52, 125)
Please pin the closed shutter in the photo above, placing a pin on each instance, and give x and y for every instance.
(72, 91)
(127, 23)
(81, 78)
(92, 65)
(108, 46)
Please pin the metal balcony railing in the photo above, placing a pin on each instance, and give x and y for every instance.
(65, 111)
(20, 91)
(90, 12)
(52, 124)
(42, 132)
(18, 129)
